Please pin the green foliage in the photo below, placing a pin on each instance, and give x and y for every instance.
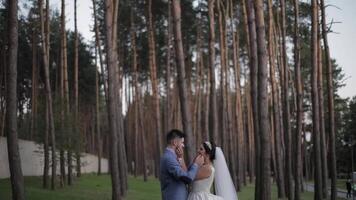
(92, 187)
(89, 187)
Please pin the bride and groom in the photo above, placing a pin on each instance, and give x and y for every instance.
(208, 165)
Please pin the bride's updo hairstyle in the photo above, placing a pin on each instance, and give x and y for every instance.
(210, 148)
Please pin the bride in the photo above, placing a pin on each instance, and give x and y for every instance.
(214, 166)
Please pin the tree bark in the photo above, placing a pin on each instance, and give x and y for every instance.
(238, 106)
(17, 180)
(263, 117)
(330, 89)
(112, 98)
(298, 84)
(154, 79)
(286, 110)
(45, 53)
(168, 109)
(254, 83)
(315, 105)
(324, 165)
(182, 85)
(213, 119)
(279, 167)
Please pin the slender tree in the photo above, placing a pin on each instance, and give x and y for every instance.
(315, 106)
(298, 83)
(154, 81)
(275, 99)
(76, 100)
(110, 15)
(213, 104)
(286, 106)
(330, 89)
(17, 181)
(49, 103)
(254, 83)
(182, 85)
(263, 117)
(323, 147)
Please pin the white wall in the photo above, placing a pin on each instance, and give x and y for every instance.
(32, 160)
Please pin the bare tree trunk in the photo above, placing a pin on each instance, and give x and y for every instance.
(17, 180)
(250, 131)
(97, 114)
(112, 98)
(330, 89)
(168, 109)
(254, 83)
(76, 98)
(315, 105)
(223, 108)
(324, 165)
(298, 176)
(34, 86)
(264, 132)
(137, 92)
(155, 88)
(238, 107)
(183, 91)
(275, 99)
(46, 151)
(213, 104)
(45, 52)
(286, 110)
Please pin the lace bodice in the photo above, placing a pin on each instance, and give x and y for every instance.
(204, 185)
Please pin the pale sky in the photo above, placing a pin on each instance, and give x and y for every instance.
(342, 45)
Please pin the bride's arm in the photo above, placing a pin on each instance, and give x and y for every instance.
(203, 173)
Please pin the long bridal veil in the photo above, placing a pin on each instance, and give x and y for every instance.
(224, 185)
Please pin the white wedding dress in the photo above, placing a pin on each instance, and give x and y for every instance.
(201, 189)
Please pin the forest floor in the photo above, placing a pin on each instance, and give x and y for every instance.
(92, 187)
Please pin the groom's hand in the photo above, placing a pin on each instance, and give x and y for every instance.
(199, 160)
(179, 152)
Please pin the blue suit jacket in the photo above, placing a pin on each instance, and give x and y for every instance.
(173, 178)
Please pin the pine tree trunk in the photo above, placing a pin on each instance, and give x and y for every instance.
(213, 119)
(76, 98)
(254, 101)
(286, 107)
(263, 117)
(275, 99)
(17, 180)
(298, 83)
(324, 165)
(97, 114)
(45, 53)
(315, 105)
(182, 85)
(46, 152)
(112, 98)
(330, 89)
(223, 108)
(154, 81)
(137, 92)
(238, 107)
(168, 109)
(34, 86)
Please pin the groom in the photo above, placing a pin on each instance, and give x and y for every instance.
(173, 177)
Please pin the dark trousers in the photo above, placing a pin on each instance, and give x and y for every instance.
(348, 194)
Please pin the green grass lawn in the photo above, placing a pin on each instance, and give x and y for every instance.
(92, 187)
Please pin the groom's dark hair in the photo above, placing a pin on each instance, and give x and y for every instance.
(173, 134)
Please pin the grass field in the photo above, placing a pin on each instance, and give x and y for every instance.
(92, 187)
